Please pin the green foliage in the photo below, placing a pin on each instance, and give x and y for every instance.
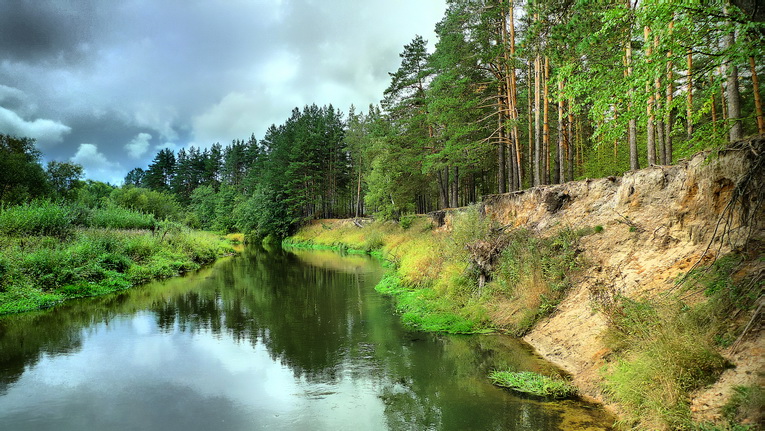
(37, 218)
(37, 272)
(64, 178)
(746, 401)
(120, 218)
(423, 309)
(161, 205)
(533, 384)
(22, 178)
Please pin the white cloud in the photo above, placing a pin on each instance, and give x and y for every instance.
(46, 132)
(237, 116)
(138, 146)
(96, 165)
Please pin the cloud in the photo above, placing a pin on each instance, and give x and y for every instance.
(236, 116)
(96, 165)
(138, 146)
(46, 132)
(190, 72)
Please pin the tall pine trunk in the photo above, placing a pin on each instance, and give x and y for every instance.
(650, 122)
(757, 99)
(734, 98)
(668, 110)
(546, 123)
(537, 123)
(632, 127)
(560, 165)
(689, 96)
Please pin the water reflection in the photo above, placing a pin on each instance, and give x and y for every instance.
(267, 340)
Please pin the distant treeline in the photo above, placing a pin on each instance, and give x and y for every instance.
(515, 94)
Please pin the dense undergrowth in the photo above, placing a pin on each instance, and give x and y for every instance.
(50, 252)
(450, 280)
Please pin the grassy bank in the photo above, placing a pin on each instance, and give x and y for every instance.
(453, 280)
(52, 252)
(665, 348)
(474, 276)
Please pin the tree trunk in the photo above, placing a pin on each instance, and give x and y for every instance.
(734, 98)
(659, 130)
(757, 100)
(531, 158)
(570, 141)
(632, 127)
(546, 123)
(689, 99)
(714, 105)
(454, 200)
(560, 171)
(668, 113)
(518, 183)
(537, 124)
(501, 168)
(650, 122)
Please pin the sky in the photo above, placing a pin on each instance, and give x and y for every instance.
(107, 84)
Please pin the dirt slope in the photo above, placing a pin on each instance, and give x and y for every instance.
(657, 223)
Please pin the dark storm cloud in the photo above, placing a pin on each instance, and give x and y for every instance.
(36, 30)
(124, 78)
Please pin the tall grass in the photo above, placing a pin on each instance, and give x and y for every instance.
(534, 384)
(120, 218)
(665, 348)
(51, 252)
(37, 218)
(436, 281)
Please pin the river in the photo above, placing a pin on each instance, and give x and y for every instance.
(270, 339)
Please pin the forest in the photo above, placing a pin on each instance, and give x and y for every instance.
(515, 94)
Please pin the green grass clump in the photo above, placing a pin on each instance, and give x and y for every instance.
(535, 384)
(422, 309)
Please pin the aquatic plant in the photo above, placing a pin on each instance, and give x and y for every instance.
(531, 383)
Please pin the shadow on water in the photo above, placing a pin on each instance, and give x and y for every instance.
(269, 339)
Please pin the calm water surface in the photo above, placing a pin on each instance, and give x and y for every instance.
(272, 340)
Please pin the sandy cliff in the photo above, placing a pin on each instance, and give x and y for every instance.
(658, 223)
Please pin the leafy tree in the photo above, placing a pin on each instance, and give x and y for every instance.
(161, 171)
(136, 177)
(21, 175)
(64, 178)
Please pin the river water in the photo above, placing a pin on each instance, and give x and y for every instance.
(268, 340)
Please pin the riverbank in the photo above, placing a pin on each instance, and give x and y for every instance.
(646, 288)
(48, 254)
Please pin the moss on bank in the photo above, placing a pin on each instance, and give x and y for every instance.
(48, 255)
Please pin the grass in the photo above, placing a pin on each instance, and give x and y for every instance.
(534, 384)
(664, 349)
(44, 261)
(436, 279)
